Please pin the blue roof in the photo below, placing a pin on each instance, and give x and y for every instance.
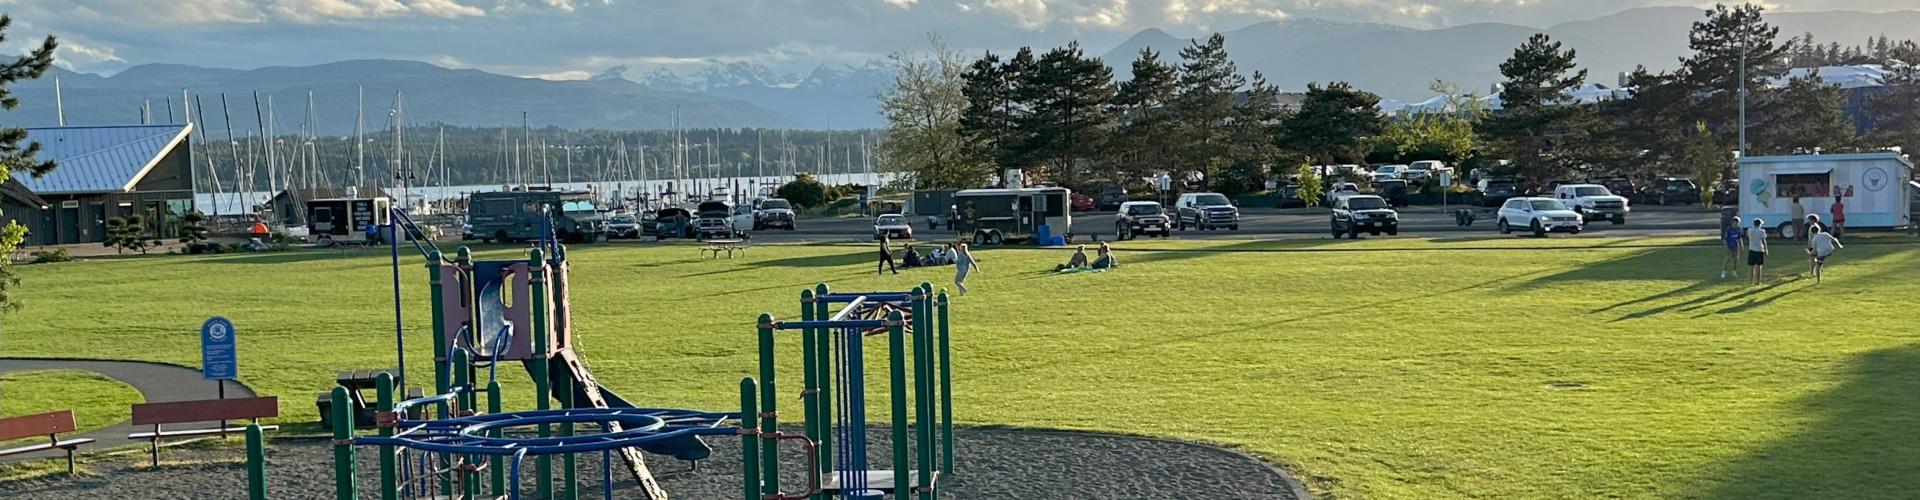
(100, 159)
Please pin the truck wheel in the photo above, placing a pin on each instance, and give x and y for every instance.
(1353, 232)
(1786, 231)
(1336, 229)
(979, 238)
(993, 238)
(1539, 230)
(1504, 229)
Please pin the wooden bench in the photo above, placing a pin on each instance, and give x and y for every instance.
(49, 424)
(729, 246)
(206, 410)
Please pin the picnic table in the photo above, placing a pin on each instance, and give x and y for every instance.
(729, 246)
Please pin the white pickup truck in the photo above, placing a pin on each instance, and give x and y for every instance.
(1593, 202)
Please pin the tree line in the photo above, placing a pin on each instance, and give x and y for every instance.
(1064, 118)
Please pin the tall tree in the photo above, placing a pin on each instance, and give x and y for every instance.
(1896, 120)
(1804, 115)
(1718, 42)
(1334, 123)
(17, 157)
(1251, 146)
(1069, 121)
(923, 107)
(1204, 103)
(1537, 109)
(1145, 141)
(995, 107)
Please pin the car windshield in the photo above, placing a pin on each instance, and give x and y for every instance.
(1590, 191)
(1365, 203)
(1388, 169)
(1209, 200)
(890, 220)
(776, 205)
(1543, 205)
(576, 206)
(1143, 210)
(1418, 166)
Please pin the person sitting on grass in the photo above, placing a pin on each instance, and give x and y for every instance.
(1078, 261)
(911, 258)
(1824, 244)
(1106, 260)
(937, 257)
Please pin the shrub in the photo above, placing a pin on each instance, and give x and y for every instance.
(48, 257)
(804, 191)
(1310, 185)
(128, 233)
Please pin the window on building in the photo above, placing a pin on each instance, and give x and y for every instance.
(1802, 185)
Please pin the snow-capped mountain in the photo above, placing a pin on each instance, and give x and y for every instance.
(831, 95)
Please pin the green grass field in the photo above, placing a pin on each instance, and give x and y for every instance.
(96, 401)
(1384, 368)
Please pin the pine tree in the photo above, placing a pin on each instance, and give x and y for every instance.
(1145, 144)
(1208, 80)
(1536, 107)
(1069, 120)
(1334, 123)
(991, 110)
(1805, 115)
(18, 157)
(1714, 68)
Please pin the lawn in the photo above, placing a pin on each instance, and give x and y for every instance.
(96, 401)
(1382, 368)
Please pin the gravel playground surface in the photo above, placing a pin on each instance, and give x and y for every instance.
(988, 463)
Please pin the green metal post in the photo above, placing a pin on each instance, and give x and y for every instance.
(495, 464)
(769, 402)
(343, 461)
(439, 323)
(946, 388)
(542, 381)
(923, 386)
(823, 377)
(383, 402)
(810, 379)
(897, 359)
(462, 377)
(256, 463)
(749, 440)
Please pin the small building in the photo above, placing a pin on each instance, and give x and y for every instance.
(18, 204)
(107, 172)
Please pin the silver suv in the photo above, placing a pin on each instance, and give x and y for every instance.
(1206, 211)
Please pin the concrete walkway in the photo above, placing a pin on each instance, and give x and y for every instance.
(156, 383)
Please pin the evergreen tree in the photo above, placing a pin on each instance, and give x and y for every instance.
(1713, 69)
(1251, 138)
(1895, 118)
(1805, 115)
(1537, 111)
(1208, 80)
(1145, 143)
(16, 157)
(995, 107)
(1069, 120)
(1334, 123)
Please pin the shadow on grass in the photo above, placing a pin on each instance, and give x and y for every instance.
(1857, 442)
(809, 262)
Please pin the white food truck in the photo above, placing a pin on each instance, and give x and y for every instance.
(1876, 188)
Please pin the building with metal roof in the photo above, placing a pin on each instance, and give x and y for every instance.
(107, 172)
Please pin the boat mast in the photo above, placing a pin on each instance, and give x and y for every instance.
(360, 141)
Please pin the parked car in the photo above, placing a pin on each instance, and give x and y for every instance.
(1538, 215)
(1340, 190)
(1112, 197)
(623, 227)
(1385, 172)
(1354, 214)
(773, 212)
(1674, 191)
(1433, 167)
(1419, 171)
(1619, 185)
(714, 220)
(1141, 217)
(1593, 202)
(1392, 190)
(1494, 192)
(893, 226)
(1206, 211)
(648, 225)
(1081, 202)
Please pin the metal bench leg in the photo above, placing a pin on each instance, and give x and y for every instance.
(70, 460)
(154, 445)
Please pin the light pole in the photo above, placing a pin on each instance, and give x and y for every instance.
(1743, 90)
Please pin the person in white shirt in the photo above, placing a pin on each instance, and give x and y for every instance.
(1824, 244)
(1756, 250)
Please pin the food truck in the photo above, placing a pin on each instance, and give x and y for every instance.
(1876, 187)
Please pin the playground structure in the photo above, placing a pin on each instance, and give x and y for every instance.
(442, 453)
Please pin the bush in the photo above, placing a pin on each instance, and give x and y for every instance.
(128, 233)
(804, 191)
(1310, 186)
(49, 257)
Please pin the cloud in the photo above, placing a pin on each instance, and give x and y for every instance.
(563, 75)
(1028, 14)
(904, 4)
(570, 5)
(1110, 15)
(445, 8)
(318, 11)
(76, 54)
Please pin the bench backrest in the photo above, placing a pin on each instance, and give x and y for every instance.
(206, 410)
(53, 422)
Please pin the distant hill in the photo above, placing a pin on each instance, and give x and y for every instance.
(838, 96)
(432, 94)
(1398, 62)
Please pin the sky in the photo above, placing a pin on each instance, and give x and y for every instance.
(563, 39)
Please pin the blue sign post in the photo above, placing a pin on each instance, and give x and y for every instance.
(217, 350)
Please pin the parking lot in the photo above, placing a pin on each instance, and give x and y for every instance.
(1297, 223)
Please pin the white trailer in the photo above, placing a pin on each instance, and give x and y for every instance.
(1875, 186)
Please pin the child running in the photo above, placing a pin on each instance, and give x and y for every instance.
(1824, 244)
(962, 263)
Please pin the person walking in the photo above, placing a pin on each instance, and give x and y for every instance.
(963, 263)
(1756, 250)
(1839, 214)
(886, 257)
(1799, 220)
(1731, 236)
(1824, 244)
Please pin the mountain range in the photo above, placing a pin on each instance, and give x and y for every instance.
(1393, 61)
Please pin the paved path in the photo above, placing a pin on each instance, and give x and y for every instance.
(156, 383)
